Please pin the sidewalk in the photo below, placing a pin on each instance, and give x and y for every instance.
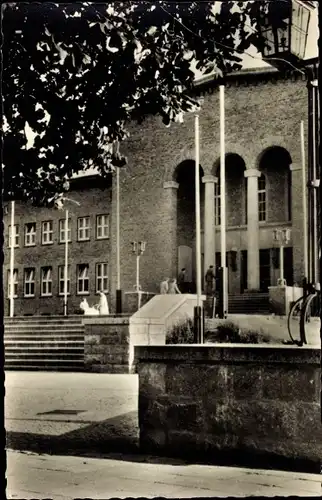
(66, 477)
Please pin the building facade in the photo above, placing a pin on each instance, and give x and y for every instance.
(263, 112)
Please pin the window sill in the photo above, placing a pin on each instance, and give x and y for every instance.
(45, 295)
(29, 245)
(86, 239)
(49, 243)
(29, 296)
(82, 293)
(102, 237)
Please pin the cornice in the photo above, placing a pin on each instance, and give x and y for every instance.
(251, 76)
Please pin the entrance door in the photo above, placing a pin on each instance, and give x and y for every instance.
(288, 265)
(264, 269)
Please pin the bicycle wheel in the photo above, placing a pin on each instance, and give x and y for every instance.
(310, 317)
(293, 320)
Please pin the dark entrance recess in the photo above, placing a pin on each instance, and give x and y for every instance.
(264, 269)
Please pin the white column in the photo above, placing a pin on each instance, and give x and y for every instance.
(170, 227)
(252, 229)
(209, 221)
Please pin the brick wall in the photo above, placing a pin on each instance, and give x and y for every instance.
(253, 405)
(261, 113)
(93, 201)
(254, 122)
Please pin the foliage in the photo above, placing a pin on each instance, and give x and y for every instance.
(77, 73)
(228, 332)
(181, 333)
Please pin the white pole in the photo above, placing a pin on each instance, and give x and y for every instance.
(223, 197)
(197, 201)
(304, 203)
(282, 264)
(118, 267)
(314, 278)
(12, 257)
(138, 280)
(66, 265)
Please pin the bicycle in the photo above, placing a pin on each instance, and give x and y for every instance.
(302, 311)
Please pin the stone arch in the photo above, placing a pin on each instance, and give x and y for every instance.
(235, 190)
(184, 176)
(274, 163)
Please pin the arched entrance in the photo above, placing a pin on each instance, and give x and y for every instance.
(275, 208)
(236, 215)
(184, 175)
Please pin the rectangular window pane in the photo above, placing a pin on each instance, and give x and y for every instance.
(47, 232)
(61, 280)
(102, 226)
(15, 235)
(15, 283)
(82, 278)
(46, 281)
(30, 234)
(29, 282)
(62, 230)
(83, 228)
(102, 277)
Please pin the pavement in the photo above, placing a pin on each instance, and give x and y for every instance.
(71, 412)
(58, 424)
(68, 477)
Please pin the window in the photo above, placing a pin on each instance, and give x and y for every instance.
(217, 204)
(15, 235)
(46, 281)
(262, 198)
(47, 232)
(102, 226)
(29, 282)
(30, 234)
(82, 279)
(83, 228)
(62, 231)
(102, 277)
(15, 283)
(61, 280)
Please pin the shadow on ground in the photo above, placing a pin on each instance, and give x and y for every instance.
(115, 434)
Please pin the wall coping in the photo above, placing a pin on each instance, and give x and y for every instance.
(229, 353)
(94, 320)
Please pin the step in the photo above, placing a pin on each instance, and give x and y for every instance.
(51, 368)
(44, 347)
(44, 330)
(45, 354)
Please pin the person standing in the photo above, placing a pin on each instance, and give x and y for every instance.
(209, 278)
(164, 286)
(182, 280)
(173, 287)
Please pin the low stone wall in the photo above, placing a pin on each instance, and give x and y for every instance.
(106, 344)
(245, 405)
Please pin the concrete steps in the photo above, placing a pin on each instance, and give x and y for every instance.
(249, 303)
(39, 343)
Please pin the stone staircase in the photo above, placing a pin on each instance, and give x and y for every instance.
(44, 343)
(249, 303)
